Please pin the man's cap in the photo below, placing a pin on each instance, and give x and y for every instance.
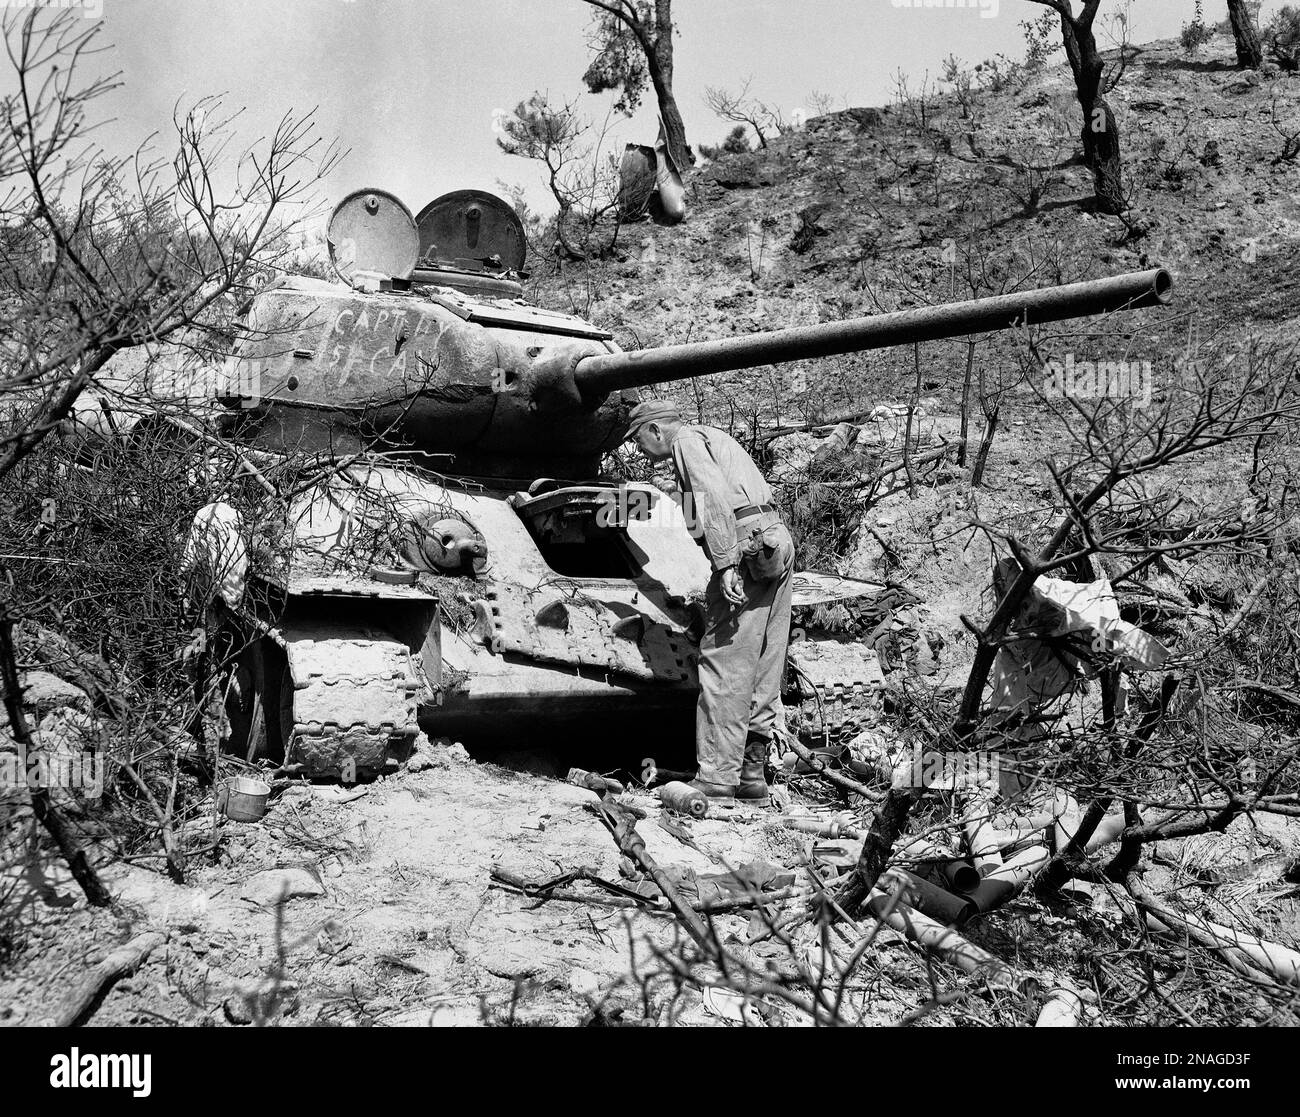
(651, 411)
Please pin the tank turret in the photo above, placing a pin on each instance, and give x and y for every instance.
(428, 345)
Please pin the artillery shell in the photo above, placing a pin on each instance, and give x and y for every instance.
(684, 799)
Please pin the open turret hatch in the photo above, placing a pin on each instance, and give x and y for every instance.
(372, 239)
(468, 240)
(471, 240)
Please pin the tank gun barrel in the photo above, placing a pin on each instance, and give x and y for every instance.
(600, 374)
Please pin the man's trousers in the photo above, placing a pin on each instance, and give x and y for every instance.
(742, 663)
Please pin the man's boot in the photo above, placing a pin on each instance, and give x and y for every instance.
(753, 787)
(723, 791)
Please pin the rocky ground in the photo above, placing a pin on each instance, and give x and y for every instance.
(376, 905)
(383, 904)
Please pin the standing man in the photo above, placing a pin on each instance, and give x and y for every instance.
(729, 510)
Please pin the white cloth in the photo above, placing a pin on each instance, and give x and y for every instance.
(215, 546)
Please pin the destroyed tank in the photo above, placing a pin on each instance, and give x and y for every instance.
(466, 568)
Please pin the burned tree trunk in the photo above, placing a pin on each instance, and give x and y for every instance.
(634, 41)
(659, 60)
(1100, 133)
(42, 805)
(1250, 55)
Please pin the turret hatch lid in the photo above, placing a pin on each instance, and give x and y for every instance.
(473, 230)
(371, 231)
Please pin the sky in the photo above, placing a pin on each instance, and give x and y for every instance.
(411, 87)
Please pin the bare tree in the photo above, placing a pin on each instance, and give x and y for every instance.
(1283, 34)
(741, 108)
(101, 254)
(1288, 131)
(1102, 510)
(1100, 133)
(633, 41)
(583, 180)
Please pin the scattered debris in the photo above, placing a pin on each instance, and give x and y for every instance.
(334, 937)
(594, 782)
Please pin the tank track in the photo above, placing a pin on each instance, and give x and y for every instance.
(837, 681)
(353, 703)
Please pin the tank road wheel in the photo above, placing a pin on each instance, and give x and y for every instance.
(259, 702)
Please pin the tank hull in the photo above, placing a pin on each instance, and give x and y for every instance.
(529, 636)
(581, 618)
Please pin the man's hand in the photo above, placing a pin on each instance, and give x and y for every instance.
(733, 589)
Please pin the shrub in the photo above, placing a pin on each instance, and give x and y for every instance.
(998, 73)
(1195, 34)
(736, 143)
(1283, 35)
(1042, 40)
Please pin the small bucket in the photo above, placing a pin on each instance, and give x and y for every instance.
(244, 798)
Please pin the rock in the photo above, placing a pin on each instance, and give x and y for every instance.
(69, 760)
(268, 887)
(333, 938)
(43, 692)
(237, 1010)
(422, 762)
(583, 983)
(66, 732)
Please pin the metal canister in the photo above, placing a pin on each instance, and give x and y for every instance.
(684, 799)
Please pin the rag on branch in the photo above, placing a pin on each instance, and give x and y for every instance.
(215, 547)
